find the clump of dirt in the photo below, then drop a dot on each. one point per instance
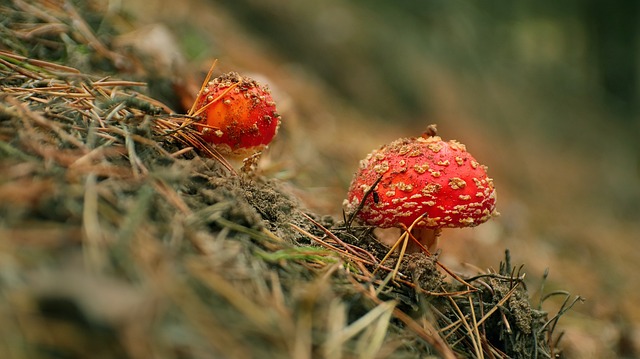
(505, 315)
(424, 271)
(255, 202)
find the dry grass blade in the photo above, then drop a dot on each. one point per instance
(251, 310)
(66, 13)
(345, 253)
(38, 63)
(471, 333)
(375, 320)
(496, 307)
(404, 240)
(475, 332)
(202, 87)
(566, 306)
(92, 230)
(41, 121)
(187, 300)
(114, 83)
(356, 251)
(427, 333)
(181, 129)
(202, 109)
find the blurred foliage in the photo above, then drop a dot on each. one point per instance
(371, 52)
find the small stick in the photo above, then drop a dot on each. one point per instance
(352, 216)
(204, 85)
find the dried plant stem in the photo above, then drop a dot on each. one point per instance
(427, 332)
(403, 239)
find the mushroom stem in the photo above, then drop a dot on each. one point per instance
(427, 237)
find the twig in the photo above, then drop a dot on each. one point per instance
(352, 215)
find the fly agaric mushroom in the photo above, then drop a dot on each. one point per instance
(237, 115)
(423, 184)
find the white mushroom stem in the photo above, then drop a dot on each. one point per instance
(427, 237)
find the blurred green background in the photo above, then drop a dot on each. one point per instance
(372, 52)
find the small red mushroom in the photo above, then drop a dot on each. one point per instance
(237, 115)
(423, 184)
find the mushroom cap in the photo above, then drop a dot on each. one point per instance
(243, 121)
(422, 175)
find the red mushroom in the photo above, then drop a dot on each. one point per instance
(423, 184)
(237, 115)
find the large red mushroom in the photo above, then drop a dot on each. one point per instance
(424, 184)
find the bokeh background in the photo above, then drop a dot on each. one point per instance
(545, 93)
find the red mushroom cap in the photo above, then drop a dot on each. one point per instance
(422, 175)
(241, 122)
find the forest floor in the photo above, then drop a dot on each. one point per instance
(118, 242)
